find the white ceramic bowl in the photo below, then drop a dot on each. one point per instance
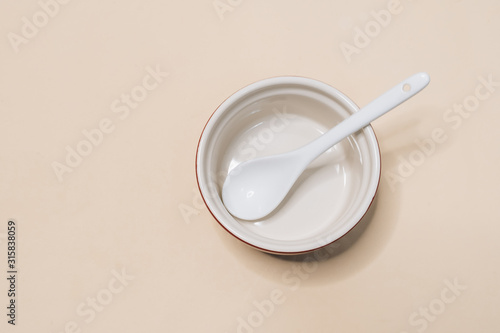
(277, 115)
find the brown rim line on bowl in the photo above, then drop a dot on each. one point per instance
(276, 115)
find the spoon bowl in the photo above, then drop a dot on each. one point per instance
(275, 171)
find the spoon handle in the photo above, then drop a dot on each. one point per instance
(386, 102)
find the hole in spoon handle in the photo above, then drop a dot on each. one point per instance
(415, 83)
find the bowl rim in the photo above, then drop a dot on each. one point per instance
(236, 95)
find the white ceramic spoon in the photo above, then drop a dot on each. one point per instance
(254, 188)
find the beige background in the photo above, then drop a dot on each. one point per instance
(131, 208)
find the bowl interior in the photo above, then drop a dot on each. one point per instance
(274, 116)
